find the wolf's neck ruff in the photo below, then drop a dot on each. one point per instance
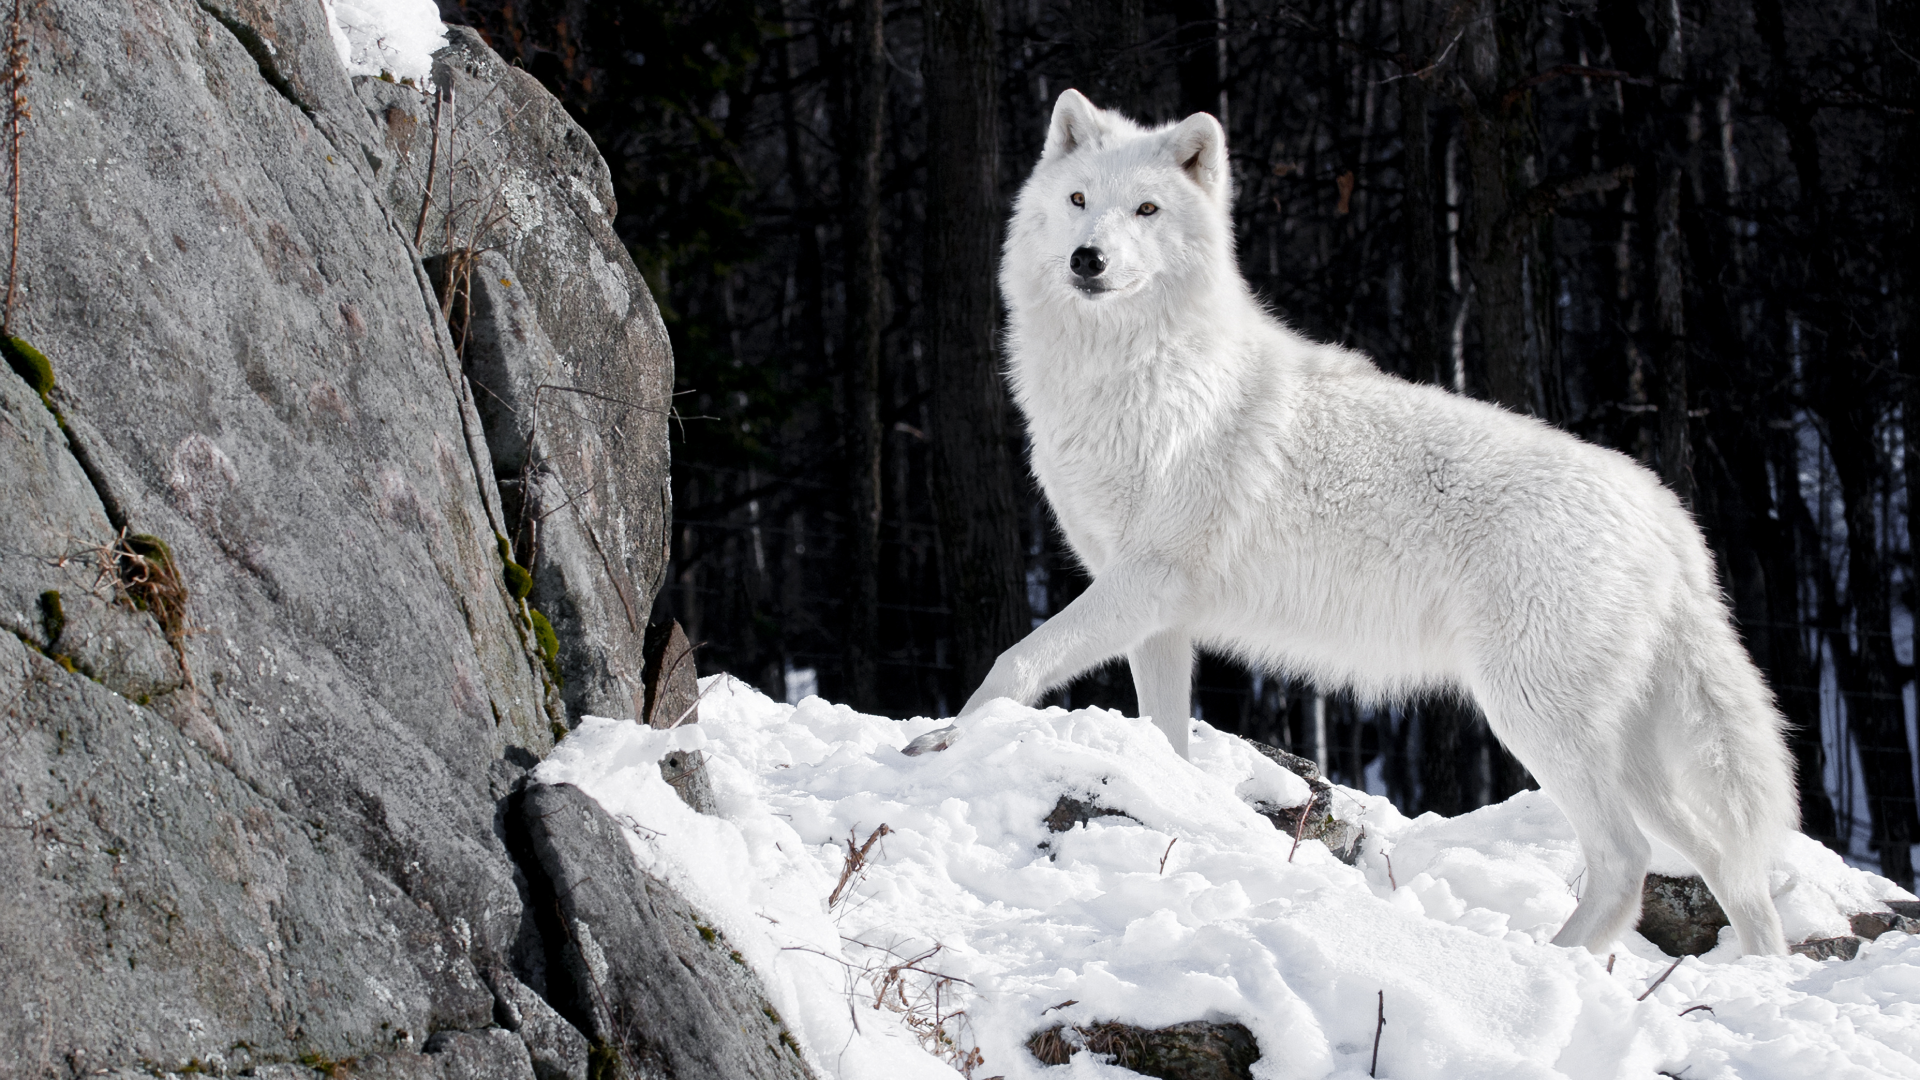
(1232, 484)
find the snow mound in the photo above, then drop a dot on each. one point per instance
(1190, 908)
(387, 37)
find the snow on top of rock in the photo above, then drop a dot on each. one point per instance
(391, 37)
(1188, 909)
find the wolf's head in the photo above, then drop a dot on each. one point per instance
(1115, 214)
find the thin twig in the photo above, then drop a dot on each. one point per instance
(1300, 827)
(1164, 854)
(1514, 92)
(1378, 1026)
(433, 162)
(1661, 979)
(856, 861)
(1696, 1008)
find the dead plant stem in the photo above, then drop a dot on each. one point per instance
(433, 163)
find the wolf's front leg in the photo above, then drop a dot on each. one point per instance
(1163, 681)
(1121, 609)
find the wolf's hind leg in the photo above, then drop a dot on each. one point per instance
(1617, 856)
(1163, 681)
(1734, 865)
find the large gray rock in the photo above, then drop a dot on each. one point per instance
(571, 368)
(271, 830)
(642, 970)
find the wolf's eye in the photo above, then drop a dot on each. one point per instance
(1078, 199)
(1147, 209)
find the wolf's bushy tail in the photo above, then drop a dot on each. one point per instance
(1738, 755)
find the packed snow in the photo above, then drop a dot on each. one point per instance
(1194, 907)
(395, 38)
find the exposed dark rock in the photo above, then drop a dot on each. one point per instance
(1195, 1050)
(1304, 768)
(672, 699)
(1871, 924)
(933, 741)
(1070, 811)
(1833, 948)
(658, 990)
(1679, 915)
(1909, 908)
(1341, 837)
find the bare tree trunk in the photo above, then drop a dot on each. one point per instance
(1200, 56)
(974, 485)
(1503, 151)
(1844, 378)
(1900, 22)
(1874, 706)
(866, 315)
(1670, 280)
(1110, 53)
(1429, 356)
(1795, 667)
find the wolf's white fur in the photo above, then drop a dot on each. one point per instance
(1233, 485)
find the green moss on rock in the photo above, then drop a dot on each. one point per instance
(519, 581)
(548, 642)
(30, 364)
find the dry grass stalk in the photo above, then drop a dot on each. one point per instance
(926, 1000)
(856, 863)
(440, 99)
(138, 570)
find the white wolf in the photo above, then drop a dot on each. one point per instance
(1233, 485)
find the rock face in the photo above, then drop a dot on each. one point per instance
(562, 343)
(268, 829)
(626, 958)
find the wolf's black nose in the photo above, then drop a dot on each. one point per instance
(1088, 262)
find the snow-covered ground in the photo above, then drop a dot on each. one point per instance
(1193, 910)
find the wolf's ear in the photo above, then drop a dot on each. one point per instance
(1076, 123)
(1200, 147)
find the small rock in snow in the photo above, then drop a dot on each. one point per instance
(932, 741)
(1832, 948)
(1679, 915)
(1871, 924)
(1070, 811)
(1195, 1050)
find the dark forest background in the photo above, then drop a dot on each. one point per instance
(1678, 228)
